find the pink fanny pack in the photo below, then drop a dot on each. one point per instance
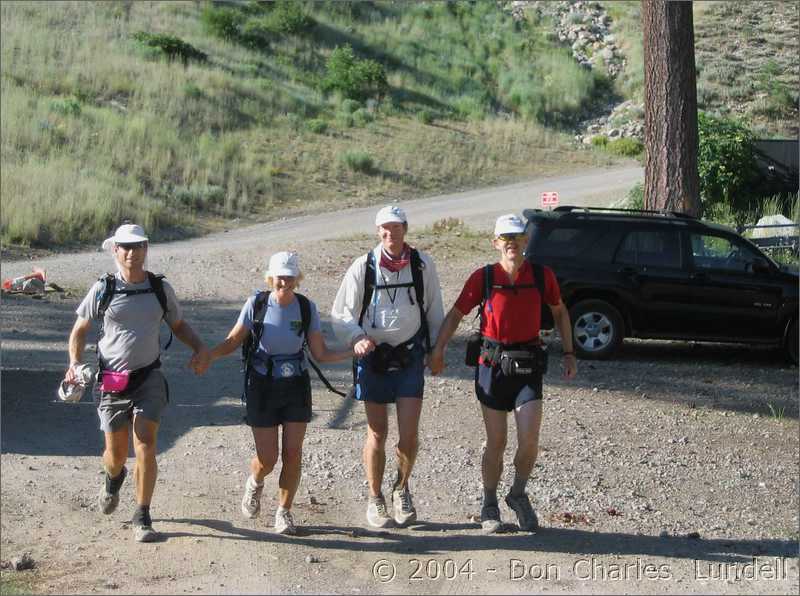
(114, 382)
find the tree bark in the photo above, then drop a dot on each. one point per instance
(671, 181)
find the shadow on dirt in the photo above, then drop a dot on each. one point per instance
(546, 540)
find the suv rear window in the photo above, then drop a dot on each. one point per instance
(650, 248)
(564, 242)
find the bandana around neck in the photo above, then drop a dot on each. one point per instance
(395, 264)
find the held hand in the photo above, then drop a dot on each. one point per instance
(435, 362)
(363, 346)
(569, 365)
(200, 361)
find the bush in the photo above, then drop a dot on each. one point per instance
(425, 116)
(69, 106)
(355, 78)
(362, 117)
(635, 197)
(726, 164)
(170, 47)
(317, 126)
(224, 23)
(358, 161)
(289, 17)
(599, 141)
(348, 106)
(627, 147)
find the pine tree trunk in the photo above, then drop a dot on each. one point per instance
(671, 181)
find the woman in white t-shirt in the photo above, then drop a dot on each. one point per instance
(277, 325)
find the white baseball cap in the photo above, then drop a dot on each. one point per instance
(125, 234)
(390, 214)
(508, 224)
(283, 264)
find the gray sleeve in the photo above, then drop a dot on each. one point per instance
(174, 313)
(88, 308)
(246, 314)
(434, 306)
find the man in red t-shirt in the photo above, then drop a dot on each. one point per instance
(509, 322)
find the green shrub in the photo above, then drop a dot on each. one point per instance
(362, 117)
(345, 120)
(425, 116)
(317, 126)
(200, 197)
(170, 47)
(358, 161)
(190, 89)
(348, 106)
(224, 23)
(289, 17)
(635, 197)
(726, 164)
(627, 147)
(353, 77)
(599, 141)
(69, 106)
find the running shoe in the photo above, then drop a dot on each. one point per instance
(526, 516)
(144, 533)
(284, 522)
(108, 500)
(490, 519)
(404, 512)
(251, 502)
(377, 517)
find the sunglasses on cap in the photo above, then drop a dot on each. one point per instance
(512, 237)
(131, 245)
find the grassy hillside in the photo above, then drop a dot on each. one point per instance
(257, 110)
(97, 125)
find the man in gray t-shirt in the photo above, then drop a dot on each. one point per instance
(133, 392)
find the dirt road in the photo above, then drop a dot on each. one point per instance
(673, 468)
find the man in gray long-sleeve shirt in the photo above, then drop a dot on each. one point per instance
(390, 331)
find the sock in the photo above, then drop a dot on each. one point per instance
(114, 484)
(518, 488)
(489, 496)
(141, 517)
(396, 481)
(281, 509)
(376, 499)
(256, 484)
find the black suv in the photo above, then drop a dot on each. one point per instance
(626, 273)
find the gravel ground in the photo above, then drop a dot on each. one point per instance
(673, 468)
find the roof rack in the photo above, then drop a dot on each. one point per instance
(571, 209)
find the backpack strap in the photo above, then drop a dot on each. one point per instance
(305, 325)
(305, 317)
(157, 283)
(109, 285)
(250, 345)
(417, 266)
(369, 286)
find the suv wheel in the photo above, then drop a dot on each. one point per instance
(597, 329)
(791, 343)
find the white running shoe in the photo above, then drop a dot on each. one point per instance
(284, 522)
(404, 512)
(377, 517)
(251, 502)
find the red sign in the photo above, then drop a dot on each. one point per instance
(549, 199)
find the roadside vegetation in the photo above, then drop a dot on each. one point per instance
(185, 115)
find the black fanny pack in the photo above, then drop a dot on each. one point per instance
(388, 358)
(513, 360)
(530, 361)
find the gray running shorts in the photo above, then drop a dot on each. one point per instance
(148, 400)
